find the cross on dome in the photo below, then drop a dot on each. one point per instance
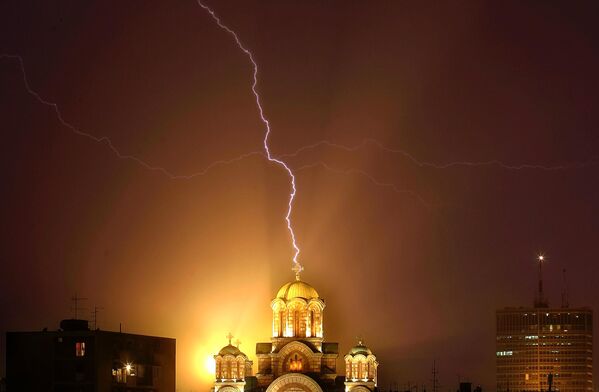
(297, 268)
(229, 336)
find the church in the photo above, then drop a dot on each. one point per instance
(297, 358)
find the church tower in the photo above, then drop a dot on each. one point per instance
(232, 367)
(297, 347)
(360, 369)
(297, 358)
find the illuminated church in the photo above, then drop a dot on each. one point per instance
(297, 358)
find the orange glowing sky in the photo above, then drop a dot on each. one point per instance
(196, 259)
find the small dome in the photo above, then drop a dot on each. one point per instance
(297, 289)
(230, 350)
(360, 349)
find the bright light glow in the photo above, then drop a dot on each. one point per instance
(210, 364)
(129, 369)
(201, 357)
(541, 257)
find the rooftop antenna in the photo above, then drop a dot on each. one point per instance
(565, 302)
(435, 379)
(541, 301)
(76, 301)
(95, 316)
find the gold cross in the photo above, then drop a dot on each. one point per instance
(230, 336)
(297, 268)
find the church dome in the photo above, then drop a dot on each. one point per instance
(297, 289)
(230, 350)
(360, 349)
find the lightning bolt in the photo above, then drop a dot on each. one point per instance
(593, 161)
(278, 160)
(297, 266)
(106, 140)
(369, 177)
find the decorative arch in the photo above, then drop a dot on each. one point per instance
(360, 367)
(296, 317)
(218, 368)
(359, 357)
(240, 367)
(279, 322)
(314, 317)
(291, 349)
(228, 388)
(230, 367)
(297, 302)
(360, 388)
(316, 302)
(278, 304)
(294, 382)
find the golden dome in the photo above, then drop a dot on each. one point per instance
(360, 348)
(297, 289)
(230, 350)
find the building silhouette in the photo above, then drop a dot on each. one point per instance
(77, 359)
(541, 348)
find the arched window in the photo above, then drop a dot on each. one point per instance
(312, 324)
(218, 369)
(240, 369)
(296, 323)
(296, 364)
(233, 367)
(281, 323)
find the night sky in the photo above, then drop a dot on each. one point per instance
(417, 267)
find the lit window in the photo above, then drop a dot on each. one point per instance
(119, 375)
(504, 353)
(296, 365)
(80, 349)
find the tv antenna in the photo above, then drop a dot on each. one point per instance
(75, 299)
(435, 378)
(95, 316)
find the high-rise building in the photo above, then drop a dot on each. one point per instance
(544, 349)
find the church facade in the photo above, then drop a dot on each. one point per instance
(297, 358)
